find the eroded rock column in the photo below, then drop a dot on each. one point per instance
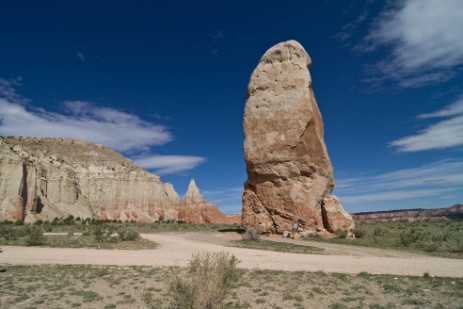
(289, 171)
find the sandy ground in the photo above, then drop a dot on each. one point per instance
(175, 249)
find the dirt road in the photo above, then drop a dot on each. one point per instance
(176, 249)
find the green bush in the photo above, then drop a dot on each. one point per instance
(208, 281)
(103, 233)
(358, 233)
(35, 237)
(127, 234)
(69, 220)
(47, 227)
(99, 234)
(408, 238)
(379, 232)
(9, 233)
(251, 233)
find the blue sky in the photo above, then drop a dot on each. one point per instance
(164, 83)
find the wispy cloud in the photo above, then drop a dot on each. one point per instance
(162, 164)
(452, 110)
(398, 195)
(446, 133)
(348, 30)
(219, 35)
(227, 199)
(82, 120)
(424, 39)
(8, 90)
(81, 56)
(439, 179)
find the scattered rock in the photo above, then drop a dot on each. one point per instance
(289, 171)
(308, 234)
(335, 217)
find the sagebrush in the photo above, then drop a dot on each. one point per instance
(206, 283)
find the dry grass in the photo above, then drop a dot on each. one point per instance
(146, 287)
(269, 245)
(206, 283)
(25, 235)
(443, 239)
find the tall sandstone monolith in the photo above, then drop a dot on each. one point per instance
(290, 177)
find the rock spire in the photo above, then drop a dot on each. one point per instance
(290, 176)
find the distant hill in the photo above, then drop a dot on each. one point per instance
(454, 212)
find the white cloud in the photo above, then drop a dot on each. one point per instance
(446, 133)
(425, 40)
(227, 199)
(437, 179)
(451, 110)
(82, 121)
(169, 164)
(8, 90)
(85, 121)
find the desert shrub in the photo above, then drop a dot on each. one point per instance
(411, 237)
(379, 231)
(36, 237)
(207, 282)
(38, 222)
(358, 233)
(69, 220)
(86, 231)
(127, 234)
(9, 233)
(453, 243)
(341, 234)
(99, 234)
(251, 233)
(103, 233)
(47, 227)
(24, 230)
(70, 233)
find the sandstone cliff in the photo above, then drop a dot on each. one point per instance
(290, 177)
(411, 215)
(193, 208)
(55, 178)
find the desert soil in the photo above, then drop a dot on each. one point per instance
(175, 249)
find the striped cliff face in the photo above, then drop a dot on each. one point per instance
(54, 178)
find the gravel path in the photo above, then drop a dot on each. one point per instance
(176, 249)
